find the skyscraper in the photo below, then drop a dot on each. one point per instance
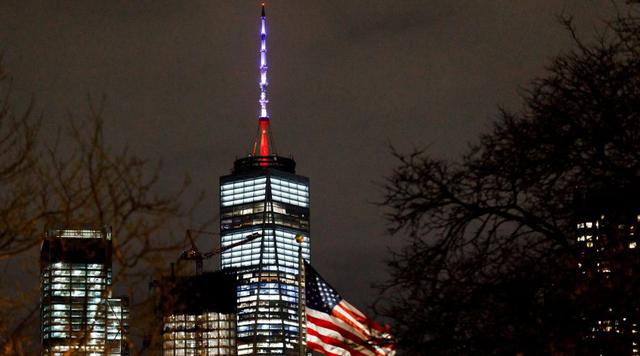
(79, 314)
(264, 195)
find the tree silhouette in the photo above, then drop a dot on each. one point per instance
(70, 179)
(490, 264)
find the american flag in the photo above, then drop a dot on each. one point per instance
(335, 327)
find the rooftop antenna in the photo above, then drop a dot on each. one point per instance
(263, 145)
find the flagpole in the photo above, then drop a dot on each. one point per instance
(301, 314)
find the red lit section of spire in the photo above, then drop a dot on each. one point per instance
(264, 138)
(263, 144)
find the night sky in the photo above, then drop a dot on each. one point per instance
(347, 80)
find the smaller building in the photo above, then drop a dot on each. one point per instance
(78, 313)
(198, 314)
(608, 248)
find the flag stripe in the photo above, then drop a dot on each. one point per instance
(355, 312)
(354, 350)
(315, 344)
(338, 324)
(340, 312)
(329, 329)
(361, 317)
(353, 338)
(337, 328)
(371, 334)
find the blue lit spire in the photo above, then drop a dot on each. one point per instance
(263, 66)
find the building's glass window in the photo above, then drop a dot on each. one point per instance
(267, 290)
(205, 334)
(244, 191)
(290, 192)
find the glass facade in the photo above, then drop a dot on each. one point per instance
(79, 314)
(203, 334)
(275, 204)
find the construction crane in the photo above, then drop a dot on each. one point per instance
(193, 254)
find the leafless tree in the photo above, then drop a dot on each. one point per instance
(18, 133)
(76, 179)
(489, 264)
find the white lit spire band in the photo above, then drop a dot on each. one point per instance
(263, 67)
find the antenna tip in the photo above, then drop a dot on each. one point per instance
(263, 9)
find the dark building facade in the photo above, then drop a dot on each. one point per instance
(608, 261)
(198, 314)
(78, 313)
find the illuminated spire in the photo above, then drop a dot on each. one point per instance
(263, 66)
(263, 144)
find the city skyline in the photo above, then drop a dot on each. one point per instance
(349, 84)
(202, 69)
(265, 247)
